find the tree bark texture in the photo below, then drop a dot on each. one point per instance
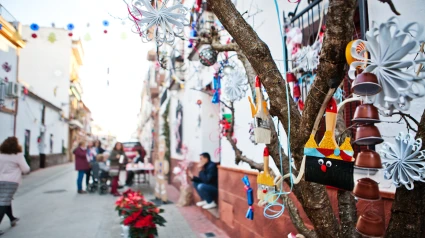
(312, 196)
(408, 210)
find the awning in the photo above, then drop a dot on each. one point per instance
(75, 123)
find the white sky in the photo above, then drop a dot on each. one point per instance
(115, 107)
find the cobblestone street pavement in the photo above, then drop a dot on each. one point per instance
(49, 207)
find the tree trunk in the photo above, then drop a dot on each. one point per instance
(408, 211)
(312, 196)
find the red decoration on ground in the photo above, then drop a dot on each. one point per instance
(34, 35)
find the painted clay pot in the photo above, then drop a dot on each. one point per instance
(366, 84)
(366, 113)
(368, 135)
(366, 189)
(370, 224)
(368, 159)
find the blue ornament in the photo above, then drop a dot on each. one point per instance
(70, 27)
(34, 27)
(1, 26)
(105, 23)
(216, 97)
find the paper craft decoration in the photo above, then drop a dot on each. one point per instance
(52, 38)
(328, 163)
(404, 161)
(260, 114)
(392, 49)
(249, 197)
(265, 183)
(208, 56)
(160, 23)
(161, 170)
(235, 85)
(216, 87)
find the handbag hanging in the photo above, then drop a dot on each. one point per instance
(328, 163)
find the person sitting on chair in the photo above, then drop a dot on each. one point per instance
(130, 174)
(207, 182)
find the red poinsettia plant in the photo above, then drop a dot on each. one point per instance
(140, 215)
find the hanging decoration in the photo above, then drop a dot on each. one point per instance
(391, 49)
(105, 24)
(260, 114)
(87, 37)
(249, 197)
(159, 22)
(6, 67)
(235, 85)
(266, 186)
(404, 161)
(34, 27)
(51, 38)
(70, 28)
(193, 34)
(208, 56)
(216, 88)
(328, 163)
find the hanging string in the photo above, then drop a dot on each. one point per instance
(268, 211)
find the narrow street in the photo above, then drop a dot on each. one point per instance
(49, 207)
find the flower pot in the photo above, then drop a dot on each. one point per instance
(368, 135)
(366, 189)
(366, 84)
(366, 113)
(125, 231)
(370, 224)
(368, 159)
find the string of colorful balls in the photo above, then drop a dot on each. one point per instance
(70, 27)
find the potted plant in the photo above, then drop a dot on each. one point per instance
(139, 216)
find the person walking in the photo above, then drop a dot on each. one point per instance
(12, 165)
(116, 159)
(81, 165)
(207, 182)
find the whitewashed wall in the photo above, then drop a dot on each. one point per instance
(29, 118)
(45, 66)
(8, 53)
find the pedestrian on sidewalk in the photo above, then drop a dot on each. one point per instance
(91, 157)
(207, 182)
(12, 165)
(117, 158)
(81, 164)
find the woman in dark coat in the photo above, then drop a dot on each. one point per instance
(115, 165)
(81, 165)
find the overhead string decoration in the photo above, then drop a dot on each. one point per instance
(260, 114)
(216, 87)
(404, 161)
(249, 197)
(70, 27)
(34, 27)
(158, 22)
(391, 47)
(105, 24)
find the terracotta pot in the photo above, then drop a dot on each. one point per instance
(368, 159)
(366, 113)
(366, 84)
(370, 224)
(366, 189)
(368, 135)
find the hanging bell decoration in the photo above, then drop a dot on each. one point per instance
(208, 57)
(216, 87)
(366, 84)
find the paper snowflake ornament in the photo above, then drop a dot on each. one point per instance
(404, 161)
(391, 49)
(235, 85)
(52, 38)
(159, 22)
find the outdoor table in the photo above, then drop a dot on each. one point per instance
(141, 169)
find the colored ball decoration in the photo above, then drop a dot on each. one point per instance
(208, 57)
(34, 35)
(34, 27)
(105, 31)
(105, 23)
(70, 27)
(70, 34)
(199, 102)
